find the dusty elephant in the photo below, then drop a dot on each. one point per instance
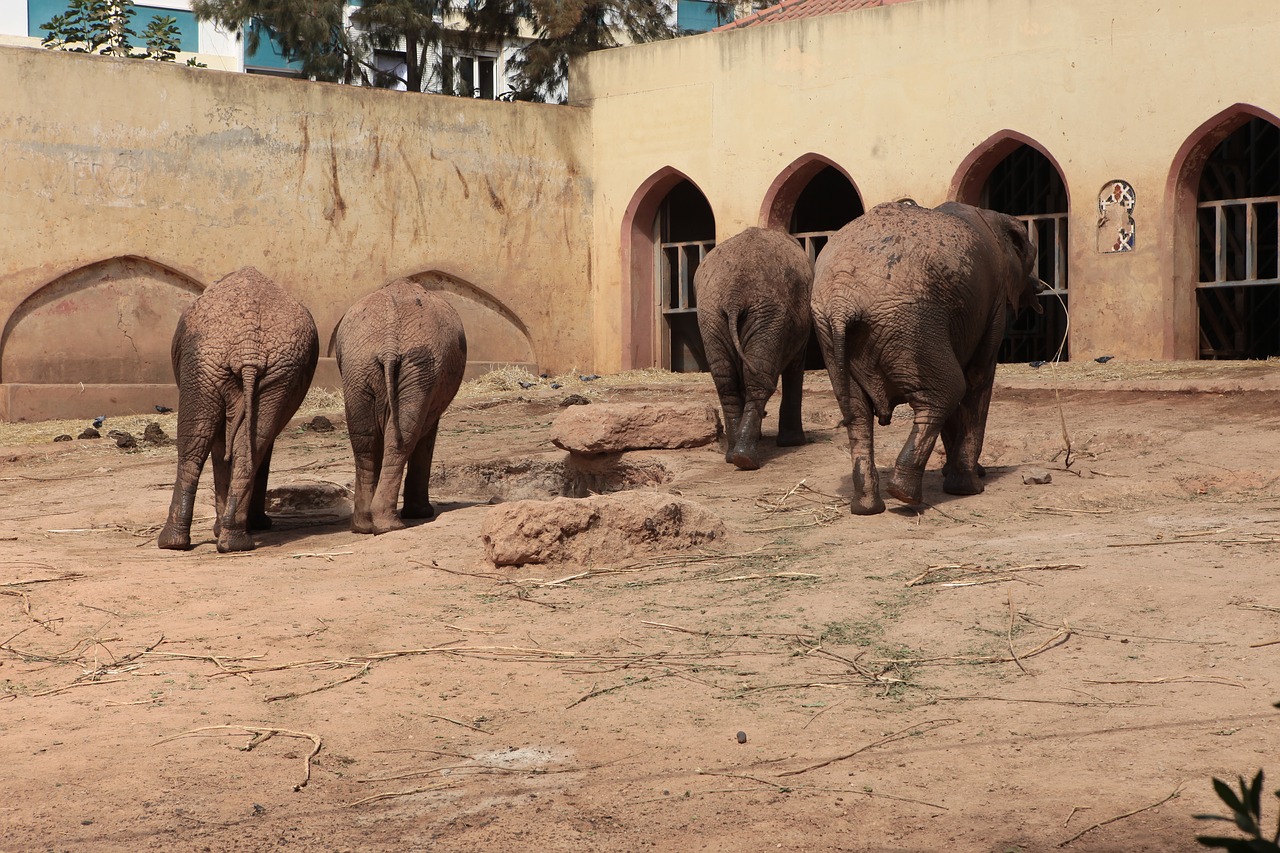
(909, 306)
(243, 356)
(402, 353)
(753, 312)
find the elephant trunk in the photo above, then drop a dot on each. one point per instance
(244, 415)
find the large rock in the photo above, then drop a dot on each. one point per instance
(617, 427)
(600, 530)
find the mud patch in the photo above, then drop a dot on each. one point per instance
(556, 476)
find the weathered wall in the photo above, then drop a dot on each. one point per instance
(900, 96)
(126, 187)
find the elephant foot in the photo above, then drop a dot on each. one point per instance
(791, 438)
(386, 524)
(230, 541)
(962, 483)
(981, 469)
(866, 505)
(907, 486)
(172, 539)
(426, 510)
(744, 460)
(259, 521)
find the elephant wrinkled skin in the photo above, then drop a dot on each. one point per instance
(402, 352)
(909, 306)
(753, 312)
(243, 356)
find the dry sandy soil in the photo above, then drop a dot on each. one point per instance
(1110, 641)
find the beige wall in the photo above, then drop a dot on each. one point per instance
(122, 176)
(900, 96)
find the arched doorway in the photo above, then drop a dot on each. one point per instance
(684, 231)
(1022, 181)
(812, 199)
(1238, 245)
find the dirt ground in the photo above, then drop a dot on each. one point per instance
(1102, 645)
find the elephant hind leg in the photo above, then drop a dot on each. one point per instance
(790, 424)
(931, 413)
(417, 481)
(866, 498)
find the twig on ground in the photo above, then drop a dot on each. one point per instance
(1178, 679)
(1009, 635)
(260, 735)
(459, 723)
(909, 731)
(65, 576)
(1101, 634)
(960, 574)
(776, 576)
(1267, 643)
(364, 670)
(1068, 510)
(436, 787)
(1103, 823)
(1074, 703)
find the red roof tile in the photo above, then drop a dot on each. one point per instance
(792, 10)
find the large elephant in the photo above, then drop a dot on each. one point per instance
(402, 353)
(753, 312)
(909, 304)
(243, 356)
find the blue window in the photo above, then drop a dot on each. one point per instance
(698, 16)
(41, 12)
(269, 54)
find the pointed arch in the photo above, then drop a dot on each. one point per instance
(974, 170)
(638, 252)
(1181, 316)
(780, 199)
(108, 322)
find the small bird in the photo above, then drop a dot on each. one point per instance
(555, 384)
(97, 422)
(524, 384)
(590, 378)
(1038, 364)
(1103, 359)
(164, 410)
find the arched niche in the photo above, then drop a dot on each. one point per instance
(496, 336)
(1223, 292)
(107, 323)
(813, 195)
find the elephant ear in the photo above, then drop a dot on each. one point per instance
(1023, 285)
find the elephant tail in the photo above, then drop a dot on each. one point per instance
(244, 415)
(391, 379)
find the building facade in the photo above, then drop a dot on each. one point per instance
(568, 235)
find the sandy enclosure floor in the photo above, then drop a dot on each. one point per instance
(1099, 645)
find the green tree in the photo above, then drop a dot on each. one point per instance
(411, 25)
(103, 27)
(312, 32)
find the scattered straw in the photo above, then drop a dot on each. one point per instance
(971, 574)
(1103, 823)
(258, 736)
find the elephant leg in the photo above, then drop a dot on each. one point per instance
(383, 517)
(932, 409)
(258, 518)
(221, 478)
(195, 439)
(962, 436)
(861, 428)
(744, 447)
(790, 425)
(417, 481)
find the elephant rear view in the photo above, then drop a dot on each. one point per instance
(753, 312)
(402, 352)
(243, 356)
(909, 306)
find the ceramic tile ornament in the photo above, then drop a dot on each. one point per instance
(1117, 231)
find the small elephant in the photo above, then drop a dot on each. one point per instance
(909, 304)
(243, 356)
(402, 353)
(753, 312)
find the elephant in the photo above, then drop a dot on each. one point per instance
(909, 306)
(402, 352)
(753, 312)
(243, 356)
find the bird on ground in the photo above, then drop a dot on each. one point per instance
(97, 422)
(164, 410)
(524, 384)
(1103, 359)
(593, 377)
(1038, 364)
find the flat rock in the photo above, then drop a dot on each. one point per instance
(307, 497)
(618, 427)
(599, 530)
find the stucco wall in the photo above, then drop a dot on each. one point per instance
(900, 96)
(167, 178)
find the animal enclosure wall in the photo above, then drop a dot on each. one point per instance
(128, 187)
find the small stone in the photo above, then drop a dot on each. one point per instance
(1037, 478)
(90, 432)
(574, 400)
(126, 441)
(742, 737)
(320, 424)
(63, 437)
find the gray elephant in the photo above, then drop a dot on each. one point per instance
(909, 305)
(753, 312)
(243, 356)
(402, 353)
